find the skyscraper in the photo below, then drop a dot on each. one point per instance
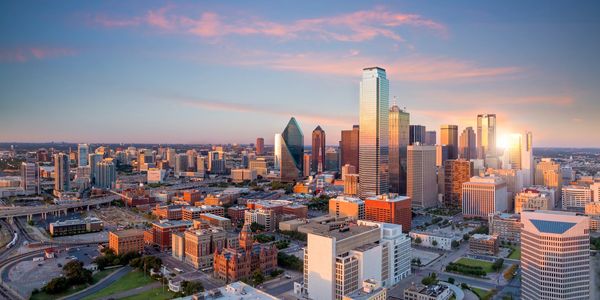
(277, 152)
(416, 134)
(456, 172)
(318, 150)
(260, 146)
(30, 177)
(484, 195)
(107, 174)
(93, 160)
(374, 130)
(449, 137)
(527, 159)
(430, 137)
(83, 150)
(399, 139)
(62, 182)
(421, 177)
(467, 144)
(349, 147)
(486, 135)
(291, 152)
(555, 256)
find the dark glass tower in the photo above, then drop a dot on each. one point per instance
(318, 150)
(291, 152)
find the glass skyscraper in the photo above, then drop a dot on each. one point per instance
(486, 135)
(290, 152)
(399, 139)
(83, 150)
(318, 150)
(374, 132)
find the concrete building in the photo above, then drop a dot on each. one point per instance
(371, 290)
(434, 239)
(430, 137)
(432, 292)
(486, 135)
(30, 178)
(265, 217)
(72, 227)
(484, 195)
(317, 163)
(193, 212)
(107, 174)
(374, 133)
(155, 175)
(337, 261)
(555, 256)
(390, 208)
(131, 240)
(351, 183)
(467, 144)
(83, 150)
(350, 207)
(421, 176)
(259, 165)
(260, 146)
(417, 134)
(241, 175)
(62, 180)
(160, 232)
(575, 197)
(547, 173)
(201, 244)
(514, 182)
(216, 221)
(506, 226)
(449, 137)
(534, 198)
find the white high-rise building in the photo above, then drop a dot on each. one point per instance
(373, 154)
(83, 150)
(336, 262)
(107, 174)
(595, 187)
(30, 177)
(484, 195)
(576, 197)
(555, 256)
(421, 178)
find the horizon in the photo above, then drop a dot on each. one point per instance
(224, 73)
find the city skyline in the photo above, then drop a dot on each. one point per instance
(97, 65)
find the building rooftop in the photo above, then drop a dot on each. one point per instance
(128, 233)
(433, 290)
(233, 291)
(172, 223)
(483, 237)
(389, 198)
(213, 216)
(201, 208)
(77, 221)
(347, 231)
(556, 227)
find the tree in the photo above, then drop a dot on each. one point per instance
(56, 285)
(466, 237)
(257, 277)
(455, 244)
(256, 227)
(497, 266)
(191, 287)
(418, 240)
(451, 280)
(434, 243)
(464, 286)
(76, 274)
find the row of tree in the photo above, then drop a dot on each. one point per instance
(465, 269)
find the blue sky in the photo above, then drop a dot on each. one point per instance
(227, 71)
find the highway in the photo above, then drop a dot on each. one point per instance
(23, 211)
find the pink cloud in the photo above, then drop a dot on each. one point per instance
(351, 27)
(33, 53)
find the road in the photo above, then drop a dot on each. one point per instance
(21, 211)
(105, 282)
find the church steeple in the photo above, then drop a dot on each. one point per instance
(246, 237)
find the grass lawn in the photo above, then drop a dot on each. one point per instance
(483, 294)
(487, 266)
(97, 277)
(154, 294)
(516, 254)
(130, 281)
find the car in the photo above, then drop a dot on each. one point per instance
(59, 265)
(287, 276)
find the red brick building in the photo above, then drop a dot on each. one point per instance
(233, 264)
(390, 209)
(168, 212)
(136, 197)
(192, 196)
(299, 210)
(160, 233)
(194, 212)
(236, 214)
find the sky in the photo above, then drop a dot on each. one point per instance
(231, 71)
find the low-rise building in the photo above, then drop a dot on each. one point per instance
(371, 290)
(241, 175)
(236, 214)
(78, 226)
(161, 231)
(506, 226)
(264, 217)
(345, 206)
(168, 212)
(432, 292)
(434, 239)
(484, 244)
(216, 221)
(193, 212)
(390, 208)
(131, 240)
(534, 198)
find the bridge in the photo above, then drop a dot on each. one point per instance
(29, 211)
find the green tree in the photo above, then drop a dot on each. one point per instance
(256, 227)
(466, 237)
(56, 285)
(191, 287)
(257, 277)
(455, 244)
(497, 266)
(418, 241)
(451, 280)
(434, 243)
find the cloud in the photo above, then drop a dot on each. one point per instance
(356, 26)
(410, 68)
(331, 120)
(33, 53)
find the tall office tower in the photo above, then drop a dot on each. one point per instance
(171, 154)
(467, 144)
(449, 137)
(277, 152)
(486, 135)
(527, 158)
(332, 160)
(192, 157)
(337, 261)
(456, 172)
(547, 173)
(318, 150)
(534, 198)
(575, 197)
(62, 181)
(421, 176)
(213, 158)
(291, 152)
(484, 195)
(389, 208)
(107, 174)
(595, 187)
(201, 164)
(83, 150)
(181, 161)
(441, 155)
(307, 163)
(374, 133)
(514, 151)
(349, 146)
(350, 184)
(555, 256)
(416, 133)
(399, 139)
(93, 160)
(30, 177)
(430, 137)
(260, 146)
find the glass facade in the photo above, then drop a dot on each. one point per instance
(399, 138)
(318, 150)
(374, 131)
(291, 152)
(486, 135)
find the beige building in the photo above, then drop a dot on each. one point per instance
(534, 199)
(421, 176)
(351, 184)
(484, 195)
(201, 243)
(350, 207)
(432, 292)
(241, 175)
(131, 240)
(547, 173)
(575, 197)
(484, 244)
(259, 165)
(371, 290)
(506, 226)
(555, 256)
